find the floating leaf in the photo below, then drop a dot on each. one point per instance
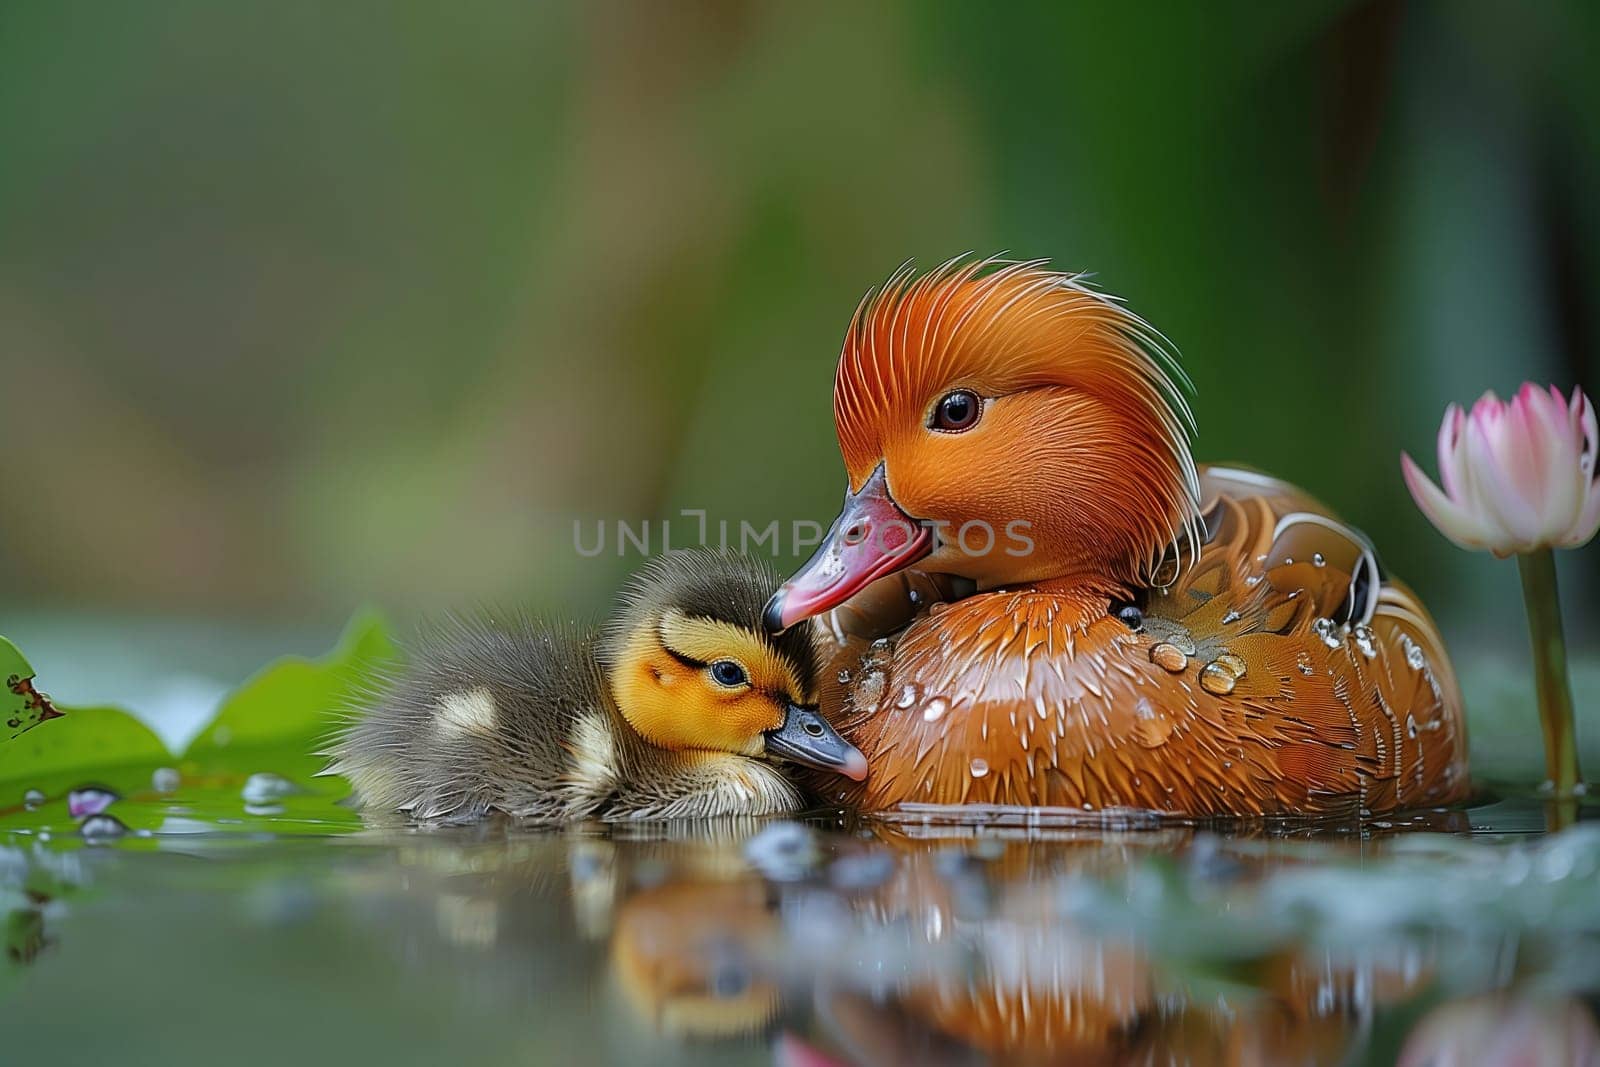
(267, 727)
(119, 749)
(274, 721)
(22, 707)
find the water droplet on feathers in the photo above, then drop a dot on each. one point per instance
(1217, 679)
(1328, 631)
(1169, 657)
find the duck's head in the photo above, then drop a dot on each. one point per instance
(691, 666)
(1006, 423)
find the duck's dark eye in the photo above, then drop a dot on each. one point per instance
(957, 411)
(727, 672)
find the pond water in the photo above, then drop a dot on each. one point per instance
(187, 924)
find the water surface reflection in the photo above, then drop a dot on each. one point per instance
(815, 943)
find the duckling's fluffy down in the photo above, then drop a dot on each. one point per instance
(479, 721)
(503, 713)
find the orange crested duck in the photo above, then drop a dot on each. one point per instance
(1146, 634)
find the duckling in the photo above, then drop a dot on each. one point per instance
(672, 709)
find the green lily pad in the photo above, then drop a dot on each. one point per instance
(271, 725)
(277, 719)
(22, 707)
(108, 741)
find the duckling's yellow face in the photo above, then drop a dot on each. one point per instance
(691, 682)
(686, 955)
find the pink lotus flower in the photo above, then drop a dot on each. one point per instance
(1519, 479)
(1495, 1031)
(1517, 476)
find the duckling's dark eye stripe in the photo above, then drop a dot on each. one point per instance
(708, 640)
(687, 661)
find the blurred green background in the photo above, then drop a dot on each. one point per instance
(308, 305)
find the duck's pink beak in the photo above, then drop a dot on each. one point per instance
(871, 537)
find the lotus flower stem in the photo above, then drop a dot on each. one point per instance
(1543, 602)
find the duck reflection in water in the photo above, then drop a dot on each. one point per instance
(923, 944)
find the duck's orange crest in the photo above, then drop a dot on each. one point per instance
(1069, 455)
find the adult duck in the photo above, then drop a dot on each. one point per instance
(1144, 634)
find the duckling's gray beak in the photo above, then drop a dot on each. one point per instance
(807, 738)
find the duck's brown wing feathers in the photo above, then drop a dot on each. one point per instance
(1326, 638)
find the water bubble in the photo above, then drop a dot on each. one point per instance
(979, 767)
(1317, 560)
(1366, 640)
(1302, 662)
(844, 677)
(264, 787)
(914, 596)
(934, 709)
(165, 780)
(908, 696)
(1230, 618)
(784, 851)
(865, 871)
(33, 798)
(101, 827)
(89, 800)
(1414, 655)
